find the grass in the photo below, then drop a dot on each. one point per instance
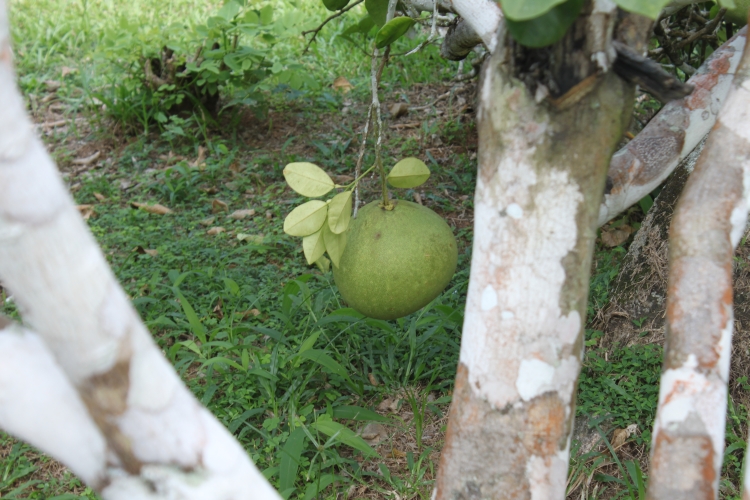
(259, 337)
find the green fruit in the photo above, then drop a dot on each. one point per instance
(396, 261)
(335, 4)
(738, 15)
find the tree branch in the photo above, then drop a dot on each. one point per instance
(327, 20)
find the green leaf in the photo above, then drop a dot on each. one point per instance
(646, 203)
(648, 8)
(314, 247)
(358, 413)
(319, 356)
(340, 212)
(524, 10)
(323, 264)
(343, 435)
(306, 218)
(363, 26)
(546, 29)
(335, 4)
(308, 179)
(409, 173)
(335, 244)
(392, 31)
(195, 324)
(290, 458)
(229, 10)
(378, 10)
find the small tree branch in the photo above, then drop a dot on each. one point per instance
(327, 20)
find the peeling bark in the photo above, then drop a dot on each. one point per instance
(672, 134)
(542, 168)
(710, 219)
(154, 440)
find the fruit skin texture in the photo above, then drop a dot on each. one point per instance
(738, 15)
(397, 261)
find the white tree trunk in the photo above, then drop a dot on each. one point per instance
(152, 438)
(709, 220)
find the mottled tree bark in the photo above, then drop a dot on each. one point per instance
(542, 170)
(710, 219)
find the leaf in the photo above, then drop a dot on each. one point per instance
(152, 209)
(363, 26)
(219, 206)
(323, 264)
(307, 179)
(378, 10)
(524, 10)
(343, 435)
(547, 28)
(314, 246)
(648, 8)
(334, 5)
(335, 244)
(340, 212)
(395, 29)
(290, 458)
(409, 173)
(358, 413)
(342, 84)
(195, 323)
(241, 214)
(215, 230)
(646, 203)
(324, 360)
(306, 218)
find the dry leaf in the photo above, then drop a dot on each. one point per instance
(66, 71)
(342, 84)
(152, 209)
(145, 251)
(241, 214)
(52, 85)
(343, 179)
(399, 109)
(389, 405)
(100, 197)
(417, 198)
(219, 206)
(151, 252)
(215, 230)
(251, 238)
(87, 211)
(396, 453)
(618, 437)
(373, 380)
(208, 221)
(269, 215)
(615, 237)
(201, 157)
(88, 160)
(218, 309)
(373, 433)
(250, 312)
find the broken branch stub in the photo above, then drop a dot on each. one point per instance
(710, 219)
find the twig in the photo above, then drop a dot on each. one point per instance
(328, 19)
(433, 31)
(360, 158)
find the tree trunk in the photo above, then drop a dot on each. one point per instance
(542, 170)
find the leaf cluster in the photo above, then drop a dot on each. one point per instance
(323, 224)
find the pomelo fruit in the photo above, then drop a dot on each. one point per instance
(395, 261)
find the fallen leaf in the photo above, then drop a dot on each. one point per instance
(219, 206)
(87, 160)
(373, 433)
(251, 238)
(396, 453)
(250, 312)
(389, 404)
(215, 230)
(152, 209)
(373, 380)
(619, 436)
(201, 157)
(87, 211)
(151, 252)
(100, 197)
(218, 309)
(208, 221)
(52, 85)
(615, 237)
(145, 251)
(418, 198)
(66, 71)
(399, 109)
(343, 179)
(241, 214)
(342, 84)
(269, 215)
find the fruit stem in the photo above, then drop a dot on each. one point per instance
(375, 73)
